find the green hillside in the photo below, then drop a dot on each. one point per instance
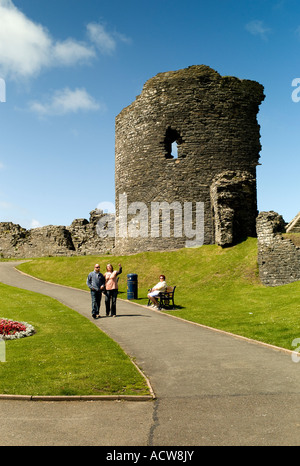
(215, 287)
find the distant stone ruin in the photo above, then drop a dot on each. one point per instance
(212, 120)
(278, 256)
(80, 238)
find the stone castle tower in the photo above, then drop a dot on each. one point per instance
(212, 178)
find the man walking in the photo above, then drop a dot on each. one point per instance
(95, 282)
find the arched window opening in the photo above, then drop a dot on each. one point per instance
(174, 150)
(173, 144)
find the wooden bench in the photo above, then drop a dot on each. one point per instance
(165, 299)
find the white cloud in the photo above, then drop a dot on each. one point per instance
(102, 39)
(27, 47)
(258, 28)
(66, 101)
(35, 224)
(107, 207)
(2, 166)
(70, 52)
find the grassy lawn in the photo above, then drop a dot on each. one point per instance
(215, 287)
(68, 355)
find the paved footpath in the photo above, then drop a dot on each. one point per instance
(212, 388)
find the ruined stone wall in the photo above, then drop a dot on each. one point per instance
(278, 257)
(213, 121)
(233, 197)
(80, 238)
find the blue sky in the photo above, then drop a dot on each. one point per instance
(70, 66)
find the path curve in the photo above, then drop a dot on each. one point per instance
(211, 388)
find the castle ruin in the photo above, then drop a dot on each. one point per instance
(213, 121)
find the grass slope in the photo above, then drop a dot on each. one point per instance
(215, 287)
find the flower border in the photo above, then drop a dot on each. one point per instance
(30, 330)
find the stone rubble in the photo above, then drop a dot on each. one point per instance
(80, 238)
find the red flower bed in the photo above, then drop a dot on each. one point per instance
(9, 327)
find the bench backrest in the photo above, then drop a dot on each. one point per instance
(170, 289)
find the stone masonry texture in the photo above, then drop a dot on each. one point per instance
(278, 257)
(213, 121)
(80, 238)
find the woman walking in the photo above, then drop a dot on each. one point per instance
(111, 289)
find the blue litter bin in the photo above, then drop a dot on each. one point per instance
(132, 286)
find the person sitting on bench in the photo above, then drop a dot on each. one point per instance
(154, 292)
